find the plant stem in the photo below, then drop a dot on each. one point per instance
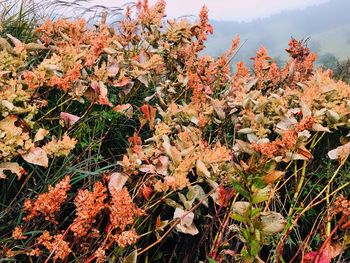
(299, 187)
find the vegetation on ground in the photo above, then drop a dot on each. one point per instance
(124, 144)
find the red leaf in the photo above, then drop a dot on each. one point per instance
(146, 192)
(135, 140)
(311, 257)
(145, 111)
(149, 113)
(224, 195)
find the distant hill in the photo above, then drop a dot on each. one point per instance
(327, 25)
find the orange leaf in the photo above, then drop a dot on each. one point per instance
(305, 152)
(272, 176)
(125, 109)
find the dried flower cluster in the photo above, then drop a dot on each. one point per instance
(20, 103)
(89, 205)
(13, 139)
(49, 203)
(127, 238)
(55, 244)
(341, 205)
(18, 233)
(123, 211)
(60, 147)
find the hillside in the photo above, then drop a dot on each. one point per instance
(327, 25)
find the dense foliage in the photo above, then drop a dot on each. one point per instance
(125, 144)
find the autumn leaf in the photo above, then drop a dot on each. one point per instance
(319, 127)
(305, 152)
(101, 92)
(37, 156)
(272, 176)
(113, 68)
(13, 168)
(240, 207)
(40, 135)
(173, 153)
(146, 192)
(162, 165)
(150, 114)
(69, 119)
(125, 109)
(148, 168)
(223, 195)
(161, 224)
(340, 153)
(330, 251)
(117, 181)
(201, 169)
(272, 222)
(186, 224)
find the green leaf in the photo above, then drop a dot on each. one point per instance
(254, 212)
(245, 254)
(259, 199)
(237, 217)
(261, 195)
(246, 234)
(211, 260)
(131, 258)
(240, 189)
(259, 182)
(254, 248)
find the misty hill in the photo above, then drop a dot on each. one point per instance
(327, 25)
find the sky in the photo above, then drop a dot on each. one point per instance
(229, 10)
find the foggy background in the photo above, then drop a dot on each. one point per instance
(269, 23)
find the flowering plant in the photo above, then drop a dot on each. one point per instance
(137, 139)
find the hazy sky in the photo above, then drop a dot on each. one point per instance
(234, 10)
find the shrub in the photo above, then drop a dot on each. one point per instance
(148, 144)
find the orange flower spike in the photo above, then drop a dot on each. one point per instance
(289, 139)
(55, 244)
(204, 22)
(135, 140)
(305, 124)
(241, 70)
(234, 46)
(89, 205)
(123, 210)
(127, 238)
(48, 203)
(18, 233)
